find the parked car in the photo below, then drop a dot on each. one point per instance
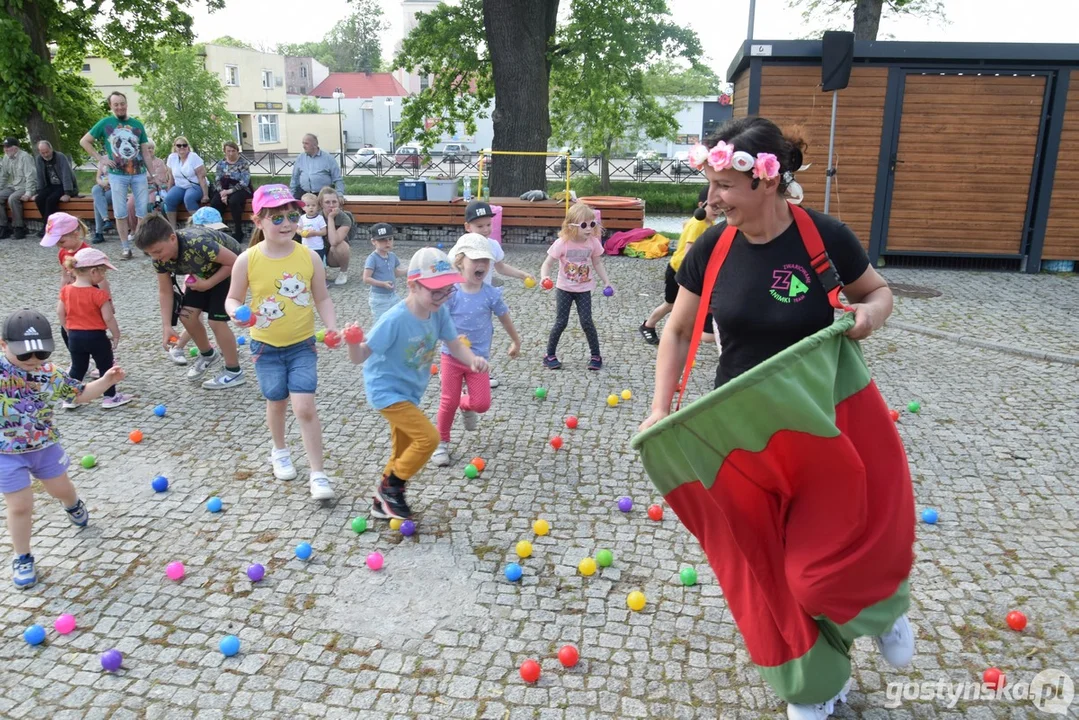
(456, 152)
(577, 163)
(681, 164)
(370, 157)
(408, 156)
(648, 162)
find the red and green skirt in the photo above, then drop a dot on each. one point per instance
(794, 480)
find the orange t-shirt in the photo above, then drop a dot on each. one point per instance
(65, 254)
(83, 307)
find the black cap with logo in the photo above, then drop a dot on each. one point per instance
(28, 331)
(381, 230)
(477, 209)
(11, 142)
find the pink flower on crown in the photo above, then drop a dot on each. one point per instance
(766, 166)
(698, 156)
(719, 157)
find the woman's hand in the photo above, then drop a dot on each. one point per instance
(863, 322)
(652, 419)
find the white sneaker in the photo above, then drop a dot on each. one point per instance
(71, 405)
(283, 469)
(177, 355)
(471, 419)
(342, 278)
(820, 711)
(227, 379)
(441, 456)
(320, 486)
(897, 645)
(202, 364)
(494, 381)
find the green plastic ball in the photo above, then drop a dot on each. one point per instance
(689, 576)
(471, 471)
(88, 461)
(914, 406)
(541, 393)
(359, 525)
(320, 336)
(193, 352)
(604, 558)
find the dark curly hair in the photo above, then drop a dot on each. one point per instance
(755, 135)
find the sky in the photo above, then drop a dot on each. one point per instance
(721, 24)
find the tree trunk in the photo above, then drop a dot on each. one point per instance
(28, 14)
(519, 33)
(867, 19)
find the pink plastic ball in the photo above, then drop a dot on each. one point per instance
(64, 624)
(374, 561)
(175, 570)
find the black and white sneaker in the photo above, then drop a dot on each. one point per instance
(649, 334)
(393, 501)
(377, 511)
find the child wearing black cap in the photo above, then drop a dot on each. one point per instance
(382, 270)
(29, 444)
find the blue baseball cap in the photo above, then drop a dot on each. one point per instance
(208, 217)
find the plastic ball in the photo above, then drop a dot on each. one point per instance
(111, 660)
(434, 369)
(353, 335)
(524, 549)
(242, 340)
(320, 336)
(375, 561)
(556, 442)
(135, 436)
(229, 645)
(688, 576)
(256, 572)
(635, 600)
(243, 313)
(540, 393)
(439, 246)
(568, 656)
(193, 352)
(571, 422)
(541, 527)
(547, 283)
(513, 572)
(625, 504)
(471, 471)
(530, 283)
(655, 512)
(993, 678)
(34, 635)
(914, 406)
(604, 558)
(627, 394)
(479, 463)
(359, 525)
(612, 400)
(160, 483)
(214, 504)
(608, 291)
(408, 528)
(303, 550)
(530, 671)
(894, 414)
(587, 567)
(160, 411)
(88, 461)
(175, 570)
(395, 523)
(929, 515)
(465, 341)
(1016, 620)
(332, 339)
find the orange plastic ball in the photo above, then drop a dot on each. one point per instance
(135, 436)
(479, 463)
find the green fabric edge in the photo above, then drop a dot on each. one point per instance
(782, 393)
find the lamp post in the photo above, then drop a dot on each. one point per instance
(389, 121)
(337, 95)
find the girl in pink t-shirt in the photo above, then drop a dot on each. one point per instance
(580, 258)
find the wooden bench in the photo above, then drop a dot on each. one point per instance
(369, 209)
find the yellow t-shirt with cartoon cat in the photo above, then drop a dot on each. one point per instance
(281, 299)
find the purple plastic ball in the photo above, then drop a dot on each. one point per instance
(608, 291)
(256, 572)
(408, 528)
(111, 660)
(625, 504)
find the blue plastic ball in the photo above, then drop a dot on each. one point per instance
(514, 572)
(214, 504)
(243, 313)
(160, 483)
(34, 635)
(608, 291)
(439, 246)
(159, 411)
(929, 515)
(242, 340)
(408, 528)
(230, 645)
(303, 550)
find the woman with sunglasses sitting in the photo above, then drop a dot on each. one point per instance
(187, 180)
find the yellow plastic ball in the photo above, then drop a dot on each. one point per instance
(524, 549)
(530, 283)
(612, 400)
(395, 523)
(465, 341)
(635, 600)
(587, 567)
(626, 395)
(541, 527)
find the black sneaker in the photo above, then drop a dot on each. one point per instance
(595, 363)
(551, 362)
(19, 233)
(393, 501)
(649, 334)
(5, 232)
(98, 239)
(377, 511)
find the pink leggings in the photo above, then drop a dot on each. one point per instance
(454, 375)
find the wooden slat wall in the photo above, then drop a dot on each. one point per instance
(790, 95)
(1062, 233)
(741, 94)
(966, 153)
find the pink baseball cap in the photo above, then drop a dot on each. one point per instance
(59, 224)
(432, 268)
(272, 196)
(92, 257)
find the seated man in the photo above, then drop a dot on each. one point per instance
(55, 180)
(18, 183)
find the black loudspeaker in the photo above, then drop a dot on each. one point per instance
(837, 56)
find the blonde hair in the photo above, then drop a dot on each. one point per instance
(82, 230)
(178, 139)
(256, 236)
(328, 190)
(578, 213)
(309, 198)
(69, 263)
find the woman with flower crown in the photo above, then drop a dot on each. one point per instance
(810, 535)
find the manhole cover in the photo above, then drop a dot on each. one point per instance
(914, 291)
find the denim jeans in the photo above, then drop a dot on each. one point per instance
(139, 187)
(189, 196)
(102, 201)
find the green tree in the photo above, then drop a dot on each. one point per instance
(182, 97)
(309, 105)
(866, 14)
(126, 32)
(667, 78)
(352, 45)
(599, 94)
(229, 41)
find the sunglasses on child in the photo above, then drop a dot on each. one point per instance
(293, 217)
(587, 225)
(39, 354)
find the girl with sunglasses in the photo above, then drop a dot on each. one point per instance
(578, 253)
(288, 283)
(29, 444)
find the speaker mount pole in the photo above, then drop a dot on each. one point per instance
(831, 147)
(752, 13)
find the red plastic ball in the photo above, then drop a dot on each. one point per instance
(894, 414)
(332, 339)
(547, 283)
(1016, 620)
(568, 656)
(655, 512)
(434, 369)
(556, 442)
(353, 335)
(530, 671)
(993, 678)
(571, 422)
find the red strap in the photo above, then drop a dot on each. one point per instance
(818, 257)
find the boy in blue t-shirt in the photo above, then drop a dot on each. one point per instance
(382, 270)
(396, 361)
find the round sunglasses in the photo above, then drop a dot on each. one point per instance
(293, 217)
(39, 354)
(587, 225)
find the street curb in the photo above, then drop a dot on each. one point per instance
(986, 344)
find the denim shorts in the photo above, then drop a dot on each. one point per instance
(381, 302)
(16, 469)
(139, 187)
(283, 371)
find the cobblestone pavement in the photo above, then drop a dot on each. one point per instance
(439, 633)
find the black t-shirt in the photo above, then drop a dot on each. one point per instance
(767, 297)
(52, 175)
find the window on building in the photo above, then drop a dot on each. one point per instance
(425, 82)
(303, 71)
(86, 67)
(232, 75)
(687, 139)
(267, 79)
(268, 131)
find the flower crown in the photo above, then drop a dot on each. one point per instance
(764, 165)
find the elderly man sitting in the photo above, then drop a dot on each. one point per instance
(18, 183)
(55, 180)
(314, 170)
